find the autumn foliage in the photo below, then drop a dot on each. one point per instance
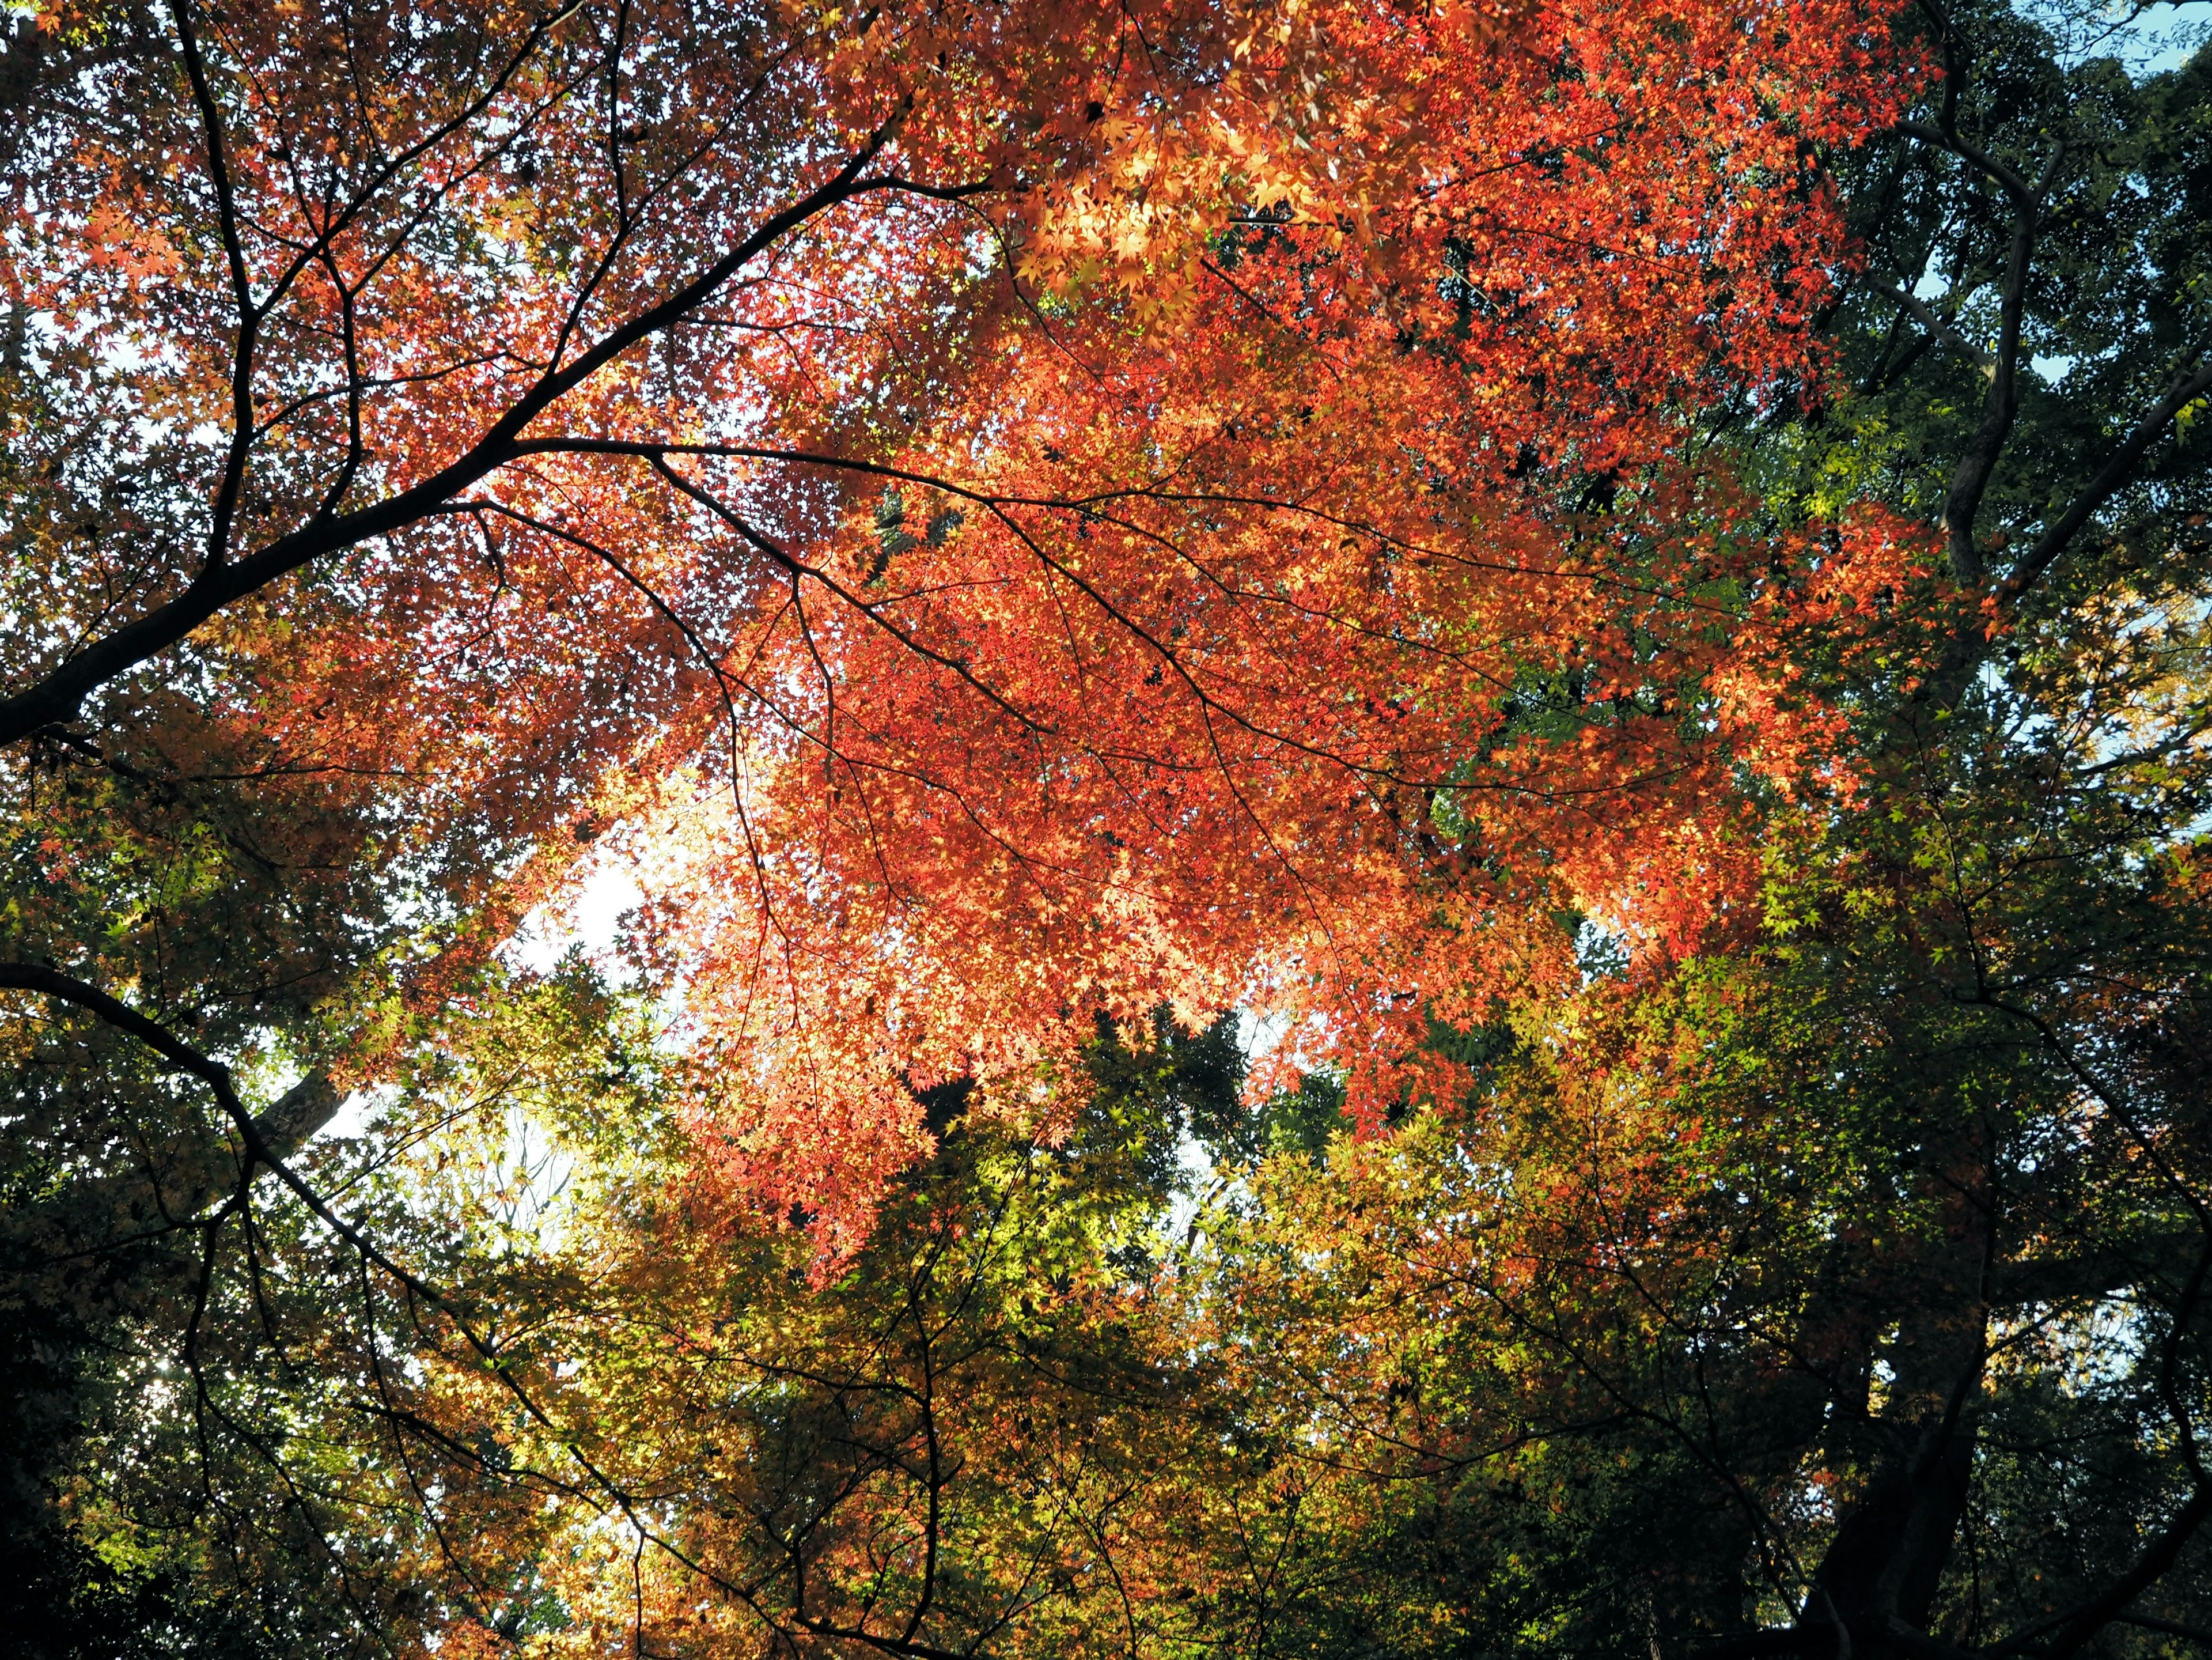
(1463, 535)
(1015, 513)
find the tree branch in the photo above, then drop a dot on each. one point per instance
(52, 982)
(1925, 316)
(2159, 1554)
(2112, 477)
(249, 320)
(55, 697)
(2022, 193)
(1999, 408)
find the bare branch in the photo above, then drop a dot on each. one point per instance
(1925, 316)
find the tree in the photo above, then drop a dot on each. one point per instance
(499, 453)
(443, 440)
(1844, 1293)
(1011, 519)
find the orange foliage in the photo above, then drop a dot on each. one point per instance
(1017, 511)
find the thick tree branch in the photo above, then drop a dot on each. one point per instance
(56, 696)
(2116, 474)
(1925, 316)
(2000, 407)
(2121, 469)
(52, 982)
(2022, 193)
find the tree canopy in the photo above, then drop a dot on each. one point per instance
(1417, 796)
